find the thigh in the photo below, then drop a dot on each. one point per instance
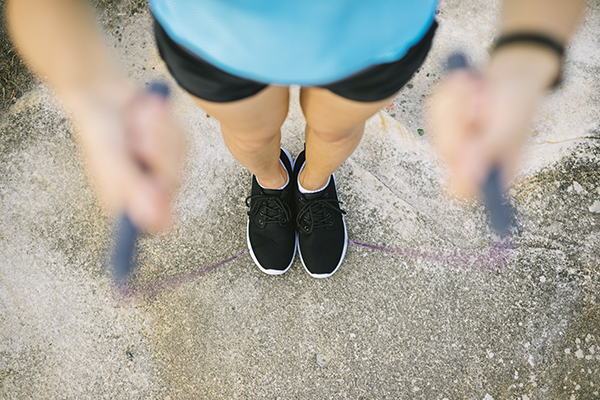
(259, 114)
(330, 114)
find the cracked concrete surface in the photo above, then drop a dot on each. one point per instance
(384, 326)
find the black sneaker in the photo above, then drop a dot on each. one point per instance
(322, 235)
(271, 230)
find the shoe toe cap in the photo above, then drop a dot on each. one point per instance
(324, 257)
(274, 254)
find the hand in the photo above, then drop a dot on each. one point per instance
(133, 150)
(481, 121)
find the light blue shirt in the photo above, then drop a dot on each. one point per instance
(305, 42)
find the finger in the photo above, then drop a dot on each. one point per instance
(456, 122)
(454, 113)
(147, 201)
(129, 189)
(471, 170)
(155, 138)
(506, 122)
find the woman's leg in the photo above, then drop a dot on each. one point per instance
(251, 129)
(334, 127)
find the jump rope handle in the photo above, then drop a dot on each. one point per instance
(501, 213)
(126, 233)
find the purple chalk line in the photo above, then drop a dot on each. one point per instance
(493, 260)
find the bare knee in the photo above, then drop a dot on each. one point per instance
(250, 141)
(335, 135)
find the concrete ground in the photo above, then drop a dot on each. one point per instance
(398, 324)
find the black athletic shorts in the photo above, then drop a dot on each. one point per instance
(208, 82)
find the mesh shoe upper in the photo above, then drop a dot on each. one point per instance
(322, 235)
(271, 229)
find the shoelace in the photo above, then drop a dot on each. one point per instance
(270, 208)
(315, 214)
